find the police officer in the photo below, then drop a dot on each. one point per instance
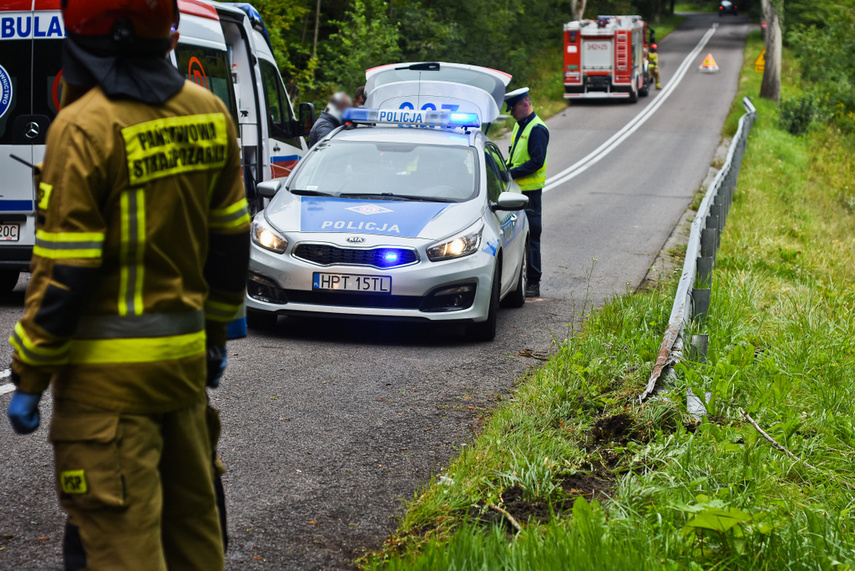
(140, 262)
(527, 164)
(653, 65)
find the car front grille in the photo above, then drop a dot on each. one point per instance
(328, 255)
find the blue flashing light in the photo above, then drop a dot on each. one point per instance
(410, 117)
(391, 257)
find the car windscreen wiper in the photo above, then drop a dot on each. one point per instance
(393, 196)
(307, 192)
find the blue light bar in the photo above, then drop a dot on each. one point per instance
(411, 117)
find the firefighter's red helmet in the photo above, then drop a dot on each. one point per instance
(653, 47)
(151, 19)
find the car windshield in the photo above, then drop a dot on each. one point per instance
(391, 171)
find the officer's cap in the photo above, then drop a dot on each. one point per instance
(515, 97)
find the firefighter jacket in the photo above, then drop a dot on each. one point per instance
(522, 159)
(141, 252)
(653, 60)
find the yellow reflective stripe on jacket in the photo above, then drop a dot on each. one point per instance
(132, 204)
(231, 217)
(69, 245)
(140, 350)
(32, 354)
(174, 145)
(222, 312)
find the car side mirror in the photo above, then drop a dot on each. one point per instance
(510, 201)
(269, 188)
(307, 117)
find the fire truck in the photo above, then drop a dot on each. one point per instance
(223, 47)
(605, 58)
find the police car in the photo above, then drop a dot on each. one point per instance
(408, 212)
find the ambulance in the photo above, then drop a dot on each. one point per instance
(223, 47)
(606, 58)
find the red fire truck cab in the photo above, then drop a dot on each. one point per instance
(606, 57)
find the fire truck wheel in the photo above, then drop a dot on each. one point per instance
(645, 88)
(633, 95)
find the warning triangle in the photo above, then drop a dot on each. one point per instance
(709, 64)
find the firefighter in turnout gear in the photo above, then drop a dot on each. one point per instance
(653, 65)
(527, 165)
(140, 261)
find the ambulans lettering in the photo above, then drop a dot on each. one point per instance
(25, 27)
(166, 147)
(367, 226)
(6, 91)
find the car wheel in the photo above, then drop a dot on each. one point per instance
(486, 330)
(260, 319)
(8, 280)
(516, 298)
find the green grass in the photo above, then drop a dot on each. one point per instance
(598, 481)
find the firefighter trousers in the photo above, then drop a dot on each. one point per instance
(138, 489)
(654, 73)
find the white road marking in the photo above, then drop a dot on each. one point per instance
(8, 387)
(600, 152)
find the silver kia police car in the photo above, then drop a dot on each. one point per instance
(408, 212)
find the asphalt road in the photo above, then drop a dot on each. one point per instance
(331, 426)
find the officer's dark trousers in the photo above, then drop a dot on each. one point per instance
(534, 213)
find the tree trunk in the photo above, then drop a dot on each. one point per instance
(577, 8)
(771, 86)
(317, 23)
(672, 6)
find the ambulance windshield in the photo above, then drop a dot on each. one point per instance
(394, 171)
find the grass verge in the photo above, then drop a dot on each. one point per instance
(571, 473)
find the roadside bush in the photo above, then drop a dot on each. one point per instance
(797, 114)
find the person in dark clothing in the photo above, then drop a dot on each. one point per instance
(527, 165)
(359, 97)
(330, 119)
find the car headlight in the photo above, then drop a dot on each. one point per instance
(266, 237)
(456, 248)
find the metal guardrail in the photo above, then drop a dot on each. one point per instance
(693, 293)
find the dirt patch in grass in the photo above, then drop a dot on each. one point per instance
(617, 428)
(589, 486)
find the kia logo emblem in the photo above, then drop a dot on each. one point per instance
(33, 130)
(356, 239)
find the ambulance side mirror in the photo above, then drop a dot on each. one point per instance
(269, 188)
(307, 118)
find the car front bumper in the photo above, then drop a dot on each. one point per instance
(282, 284)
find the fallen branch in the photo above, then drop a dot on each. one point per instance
(781, 448)
(508, 516)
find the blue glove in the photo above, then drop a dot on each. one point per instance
(217, 361)
(24, 412)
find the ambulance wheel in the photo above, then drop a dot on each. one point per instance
(516, 298)
(486, 330)
(8, 280)
(260, 319)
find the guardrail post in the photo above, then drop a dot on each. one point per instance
(698, 348)
(700, 303)
(710, 233)
(705, 269)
